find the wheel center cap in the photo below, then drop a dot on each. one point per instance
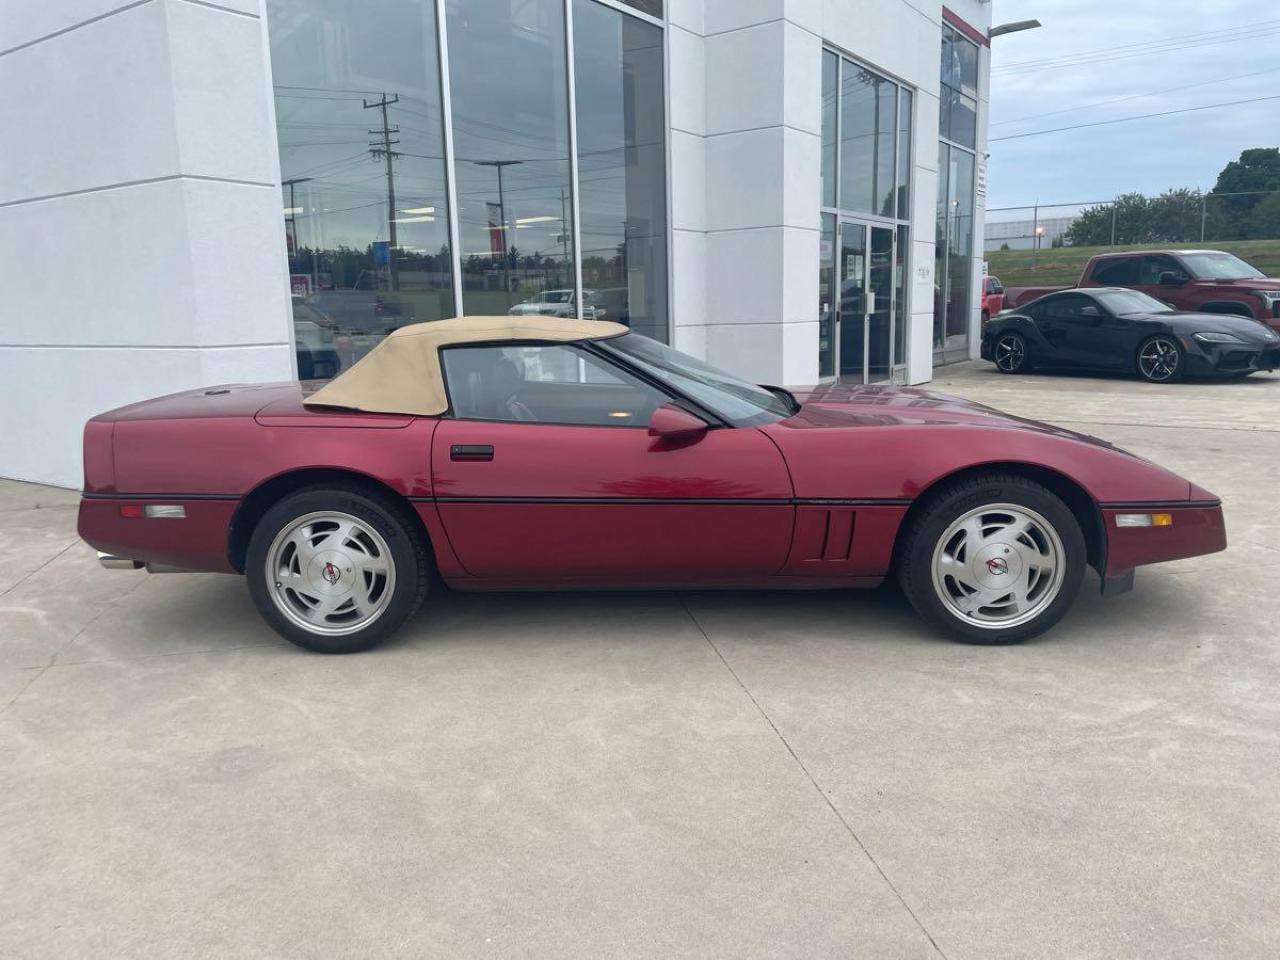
(330, 573)
(997, 566)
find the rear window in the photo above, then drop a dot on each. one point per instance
(1116, 271)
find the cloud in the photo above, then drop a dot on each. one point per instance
(1093, 163)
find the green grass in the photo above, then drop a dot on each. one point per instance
(1063, 265)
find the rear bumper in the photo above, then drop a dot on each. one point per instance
(1197, 529)
(196, 541)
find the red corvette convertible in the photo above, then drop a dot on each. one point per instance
(539, 453)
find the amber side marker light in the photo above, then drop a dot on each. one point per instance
(1144, 519)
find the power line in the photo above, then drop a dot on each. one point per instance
(1135, 96)
(1143, 116)
(1215, 35)
(1094, 61)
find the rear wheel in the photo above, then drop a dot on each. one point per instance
(1011, 353)
(993, 560)
(336, 570)
(1160, 359)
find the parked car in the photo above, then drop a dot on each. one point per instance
(1114, 328)
(992, 298)
(314, 344)
(560, 303)
(623, 464)
(1207, 281)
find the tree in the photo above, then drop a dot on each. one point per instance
(1264, 220)
(1256, 172)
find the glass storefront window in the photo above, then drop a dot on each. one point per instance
(830, 78)
(622, 167)
(958, 97)
(957, 128)
(367, 192)
(905, 102)
(510, 110)
(357, 92)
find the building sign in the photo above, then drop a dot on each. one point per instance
(980, 179)
(300, 284)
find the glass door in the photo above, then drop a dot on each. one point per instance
(851, 262)
(865, 263)
(880, 305)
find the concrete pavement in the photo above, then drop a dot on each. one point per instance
(657, 775)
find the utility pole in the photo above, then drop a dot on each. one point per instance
(1113, 223)
(1204, 212)
(293, 222)
(502, 215)
(381, 149)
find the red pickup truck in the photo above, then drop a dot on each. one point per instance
(1204, 281)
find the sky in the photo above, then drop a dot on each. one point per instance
(1148, 156)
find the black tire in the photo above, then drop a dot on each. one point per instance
(1161, 359)
(921, 541)
(1010, 353)
(407, 555)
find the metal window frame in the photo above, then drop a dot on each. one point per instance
(450, 176)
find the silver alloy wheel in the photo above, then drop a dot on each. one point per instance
(1159, 359)
(1010, 353)
(998, 566)
(330, 573)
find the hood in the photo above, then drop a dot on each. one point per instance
(1243, 283)
(1187, 322)
(842, 406)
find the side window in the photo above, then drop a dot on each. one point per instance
(1116, 272)
(544, 384)
(1153, 266)
(1065, 308)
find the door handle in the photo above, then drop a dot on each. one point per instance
(481, 452)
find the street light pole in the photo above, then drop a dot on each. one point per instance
(502, 216)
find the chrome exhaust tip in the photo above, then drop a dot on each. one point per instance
(118, 563)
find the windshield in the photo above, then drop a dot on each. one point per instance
(1122, 302)
(552, 296)
(740, 403)
(1219, 266)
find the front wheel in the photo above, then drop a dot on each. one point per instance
(993, 560)
(1160, 359)
(336, 570)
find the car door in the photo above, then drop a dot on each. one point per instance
(1081, 331)
(544, 472)
(1150, 269)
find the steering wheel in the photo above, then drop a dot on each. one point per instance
(518, 410)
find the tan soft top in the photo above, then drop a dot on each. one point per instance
(402, 373)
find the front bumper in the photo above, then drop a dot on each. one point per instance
(1197, 529)
(1225, 359)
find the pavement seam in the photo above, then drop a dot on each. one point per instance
(53, 659)
(9, 590)
(822, 793)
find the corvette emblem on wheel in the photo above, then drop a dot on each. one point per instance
(330, 573)
(998, 566)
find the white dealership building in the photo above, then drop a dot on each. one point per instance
(208, 191)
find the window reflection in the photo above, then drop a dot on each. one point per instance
(361, 153)
(509, 99)
(621, 168)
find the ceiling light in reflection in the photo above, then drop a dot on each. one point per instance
(521, 221)
(290, 211)
(419, 210)
(414, 220)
